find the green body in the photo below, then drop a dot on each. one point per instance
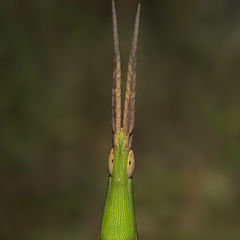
(118, 221)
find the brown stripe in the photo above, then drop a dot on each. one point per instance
(116, 90)
(130, 94)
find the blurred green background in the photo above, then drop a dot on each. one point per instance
(55, 107)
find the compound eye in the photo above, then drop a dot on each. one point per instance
(110, 161)
(130, 164)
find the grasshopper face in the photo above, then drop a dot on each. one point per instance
(118, 221)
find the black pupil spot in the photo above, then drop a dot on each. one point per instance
(112, 160)
(129, 162)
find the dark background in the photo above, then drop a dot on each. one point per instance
(56, 61)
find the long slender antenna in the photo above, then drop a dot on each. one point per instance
(130, 94)
(116, 89)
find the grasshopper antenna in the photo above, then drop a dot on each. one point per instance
(130, 94)
(116, 89)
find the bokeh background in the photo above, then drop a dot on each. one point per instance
(56, 61)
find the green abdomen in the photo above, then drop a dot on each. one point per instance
(118, 222)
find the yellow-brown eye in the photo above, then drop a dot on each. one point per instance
(110, 161)
(130, 163)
